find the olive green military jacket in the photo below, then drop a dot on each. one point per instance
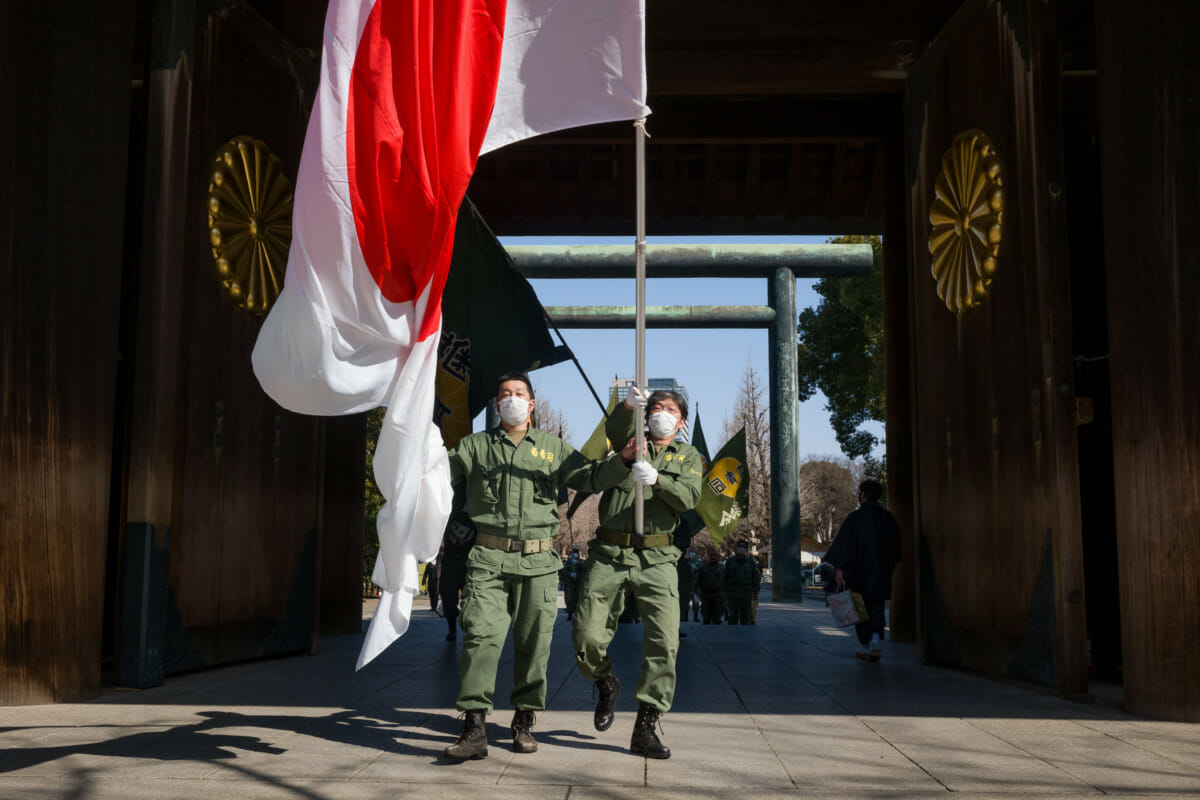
(680, 474)
(512, 491)
(740, 575)
(709, 580)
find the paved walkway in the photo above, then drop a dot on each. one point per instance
(779, 710)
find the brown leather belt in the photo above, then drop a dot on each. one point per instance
(637, 541)
(523, 546)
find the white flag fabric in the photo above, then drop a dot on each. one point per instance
(403, 105)
(568, 63)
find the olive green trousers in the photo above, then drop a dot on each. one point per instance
(491, 603)
(656, 589)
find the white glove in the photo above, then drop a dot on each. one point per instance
(644, 474)
(636, 398)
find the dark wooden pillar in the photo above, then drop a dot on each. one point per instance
(1149, 77)
(66, 71)
(342, 523)
(902, 618)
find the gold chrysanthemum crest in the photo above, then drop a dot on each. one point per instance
(249, 222)
(966, 220)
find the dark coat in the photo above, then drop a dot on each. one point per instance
(867, 549)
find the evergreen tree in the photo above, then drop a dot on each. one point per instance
(841, 351)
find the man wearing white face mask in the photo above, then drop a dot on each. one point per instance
(511, 476)
(671, 476)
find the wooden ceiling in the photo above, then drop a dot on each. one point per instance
(770, 117)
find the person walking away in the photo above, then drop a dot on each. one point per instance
(643, 564)
(511, 476)
(864, 554)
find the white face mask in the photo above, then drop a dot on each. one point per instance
(514, 410)
(662, 424)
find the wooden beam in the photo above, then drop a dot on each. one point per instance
(668, 181)
(753, 165)
(709, 199)
(791, 205)
(837, 180)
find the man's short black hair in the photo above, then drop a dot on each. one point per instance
(515, 375)
(663, 394)
(872, 489)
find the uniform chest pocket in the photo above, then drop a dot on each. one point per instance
(671, 465)
(489, 485)
(545, 489)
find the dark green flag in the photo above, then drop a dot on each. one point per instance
(698, 441)
(492, 322)
(690, 520)
(725, 495)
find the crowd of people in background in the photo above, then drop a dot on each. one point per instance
(712, 588)
(715, 589)
(723, 590)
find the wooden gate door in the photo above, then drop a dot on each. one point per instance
(238, 482)
(995, 459)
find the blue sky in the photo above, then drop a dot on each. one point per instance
(709, 363)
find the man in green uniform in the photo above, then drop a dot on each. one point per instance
(709, 580)
(740, 577)
(620, 559)
(512, 476)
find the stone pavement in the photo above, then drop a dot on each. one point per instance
(779, 710)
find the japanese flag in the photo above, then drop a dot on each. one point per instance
(411, 92)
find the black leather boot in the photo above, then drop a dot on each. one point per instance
(473, 742)
(522, 725)
(606, 706)
(645, 741)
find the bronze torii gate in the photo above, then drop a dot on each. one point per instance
(780, 265)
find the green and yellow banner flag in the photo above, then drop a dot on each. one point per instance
(597, 446)
(492, 322)
(725, 495)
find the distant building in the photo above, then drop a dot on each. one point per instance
(657, 385)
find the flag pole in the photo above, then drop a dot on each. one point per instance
(639, 425)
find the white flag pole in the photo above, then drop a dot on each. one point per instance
(639, 425)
